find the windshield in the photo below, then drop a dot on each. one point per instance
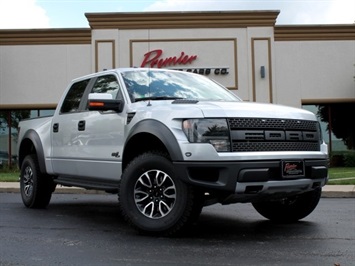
(163, 85)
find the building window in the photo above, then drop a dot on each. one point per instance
(9, 120)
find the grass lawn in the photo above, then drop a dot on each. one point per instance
(342, 176)
(9, 176)
(337, 176)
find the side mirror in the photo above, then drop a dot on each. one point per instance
(104, 102)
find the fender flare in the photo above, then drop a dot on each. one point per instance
(33, 136)
(162, 132)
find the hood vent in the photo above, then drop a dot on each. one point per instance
(184, 101)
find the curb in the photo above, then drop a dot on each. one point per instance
(329, 191)
(14, 187)
(338, 191)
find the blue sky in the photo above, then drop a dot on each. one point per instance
(18, 14)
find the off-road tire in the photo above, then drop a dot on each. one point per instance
(153, 200)
(289, 209)
(36, 188)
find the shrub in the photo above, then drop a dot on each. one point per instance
(342, 158)
(349, 159)
(5, 168)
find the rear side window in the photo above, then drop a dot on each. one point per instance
(72, 100)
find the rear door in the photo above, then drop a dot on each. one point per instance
(65, 142)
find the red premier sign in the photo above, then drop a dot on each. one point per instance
(154, 59)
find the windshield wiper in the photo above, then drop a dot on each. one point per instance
(158, 98)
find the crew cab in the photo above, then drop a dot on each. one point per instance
(168, 143)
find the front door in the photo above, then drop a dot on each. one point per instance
(100, 135)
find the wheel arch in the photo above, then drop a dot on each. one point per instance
(150, 135)
(31, 144)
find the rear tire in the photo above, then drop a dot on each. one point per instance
(289, 209)
(153, 200)
(36, 187)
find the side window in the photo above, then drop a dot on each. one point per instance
(107, 84)
(72, 99)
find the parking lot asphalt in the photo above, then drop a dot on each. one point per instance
(329, 191)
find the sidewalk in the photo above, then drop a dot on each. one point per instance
(329, 191)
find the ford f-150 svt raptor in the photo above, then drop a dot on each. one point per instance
(169, 143)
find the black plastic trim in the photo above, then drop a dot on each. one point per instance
(224, 175)
(162, 132)
(35, 139)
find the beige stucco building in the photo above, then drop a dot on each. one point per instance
(244, 50)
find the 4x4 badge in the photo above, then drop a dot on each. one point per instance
(115, 154)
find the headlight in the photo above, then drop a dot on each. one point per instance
(213, 131)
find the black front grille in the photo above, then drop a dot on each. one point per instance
(267, 123)
(275, 146)
(265, 134)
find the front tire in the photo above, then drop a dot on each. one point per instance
(153, 199)
(36, 187)
(289, 209)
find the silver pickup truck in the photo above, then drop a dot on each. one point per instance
(169, 143)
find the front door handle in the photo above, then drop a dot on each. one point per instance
(81, 125)
(55, 127)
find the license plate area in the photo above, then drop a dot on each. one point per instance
(292, 169)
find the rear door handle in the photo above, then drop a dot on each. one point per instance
(81, 125)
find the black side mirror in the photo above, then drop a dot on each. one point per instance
(104, 102)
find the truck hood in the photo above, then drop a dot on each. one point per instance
(219, 109)
(250, 109)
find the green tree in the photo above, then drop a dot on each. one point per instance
(13, 117)
(341, 122)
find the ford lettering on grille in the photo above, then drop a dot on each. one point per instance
(262, 134)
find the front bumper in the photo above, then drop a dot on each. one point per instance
(252, 177)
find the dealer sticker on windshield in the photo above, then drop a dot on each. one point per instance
(292, 169)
